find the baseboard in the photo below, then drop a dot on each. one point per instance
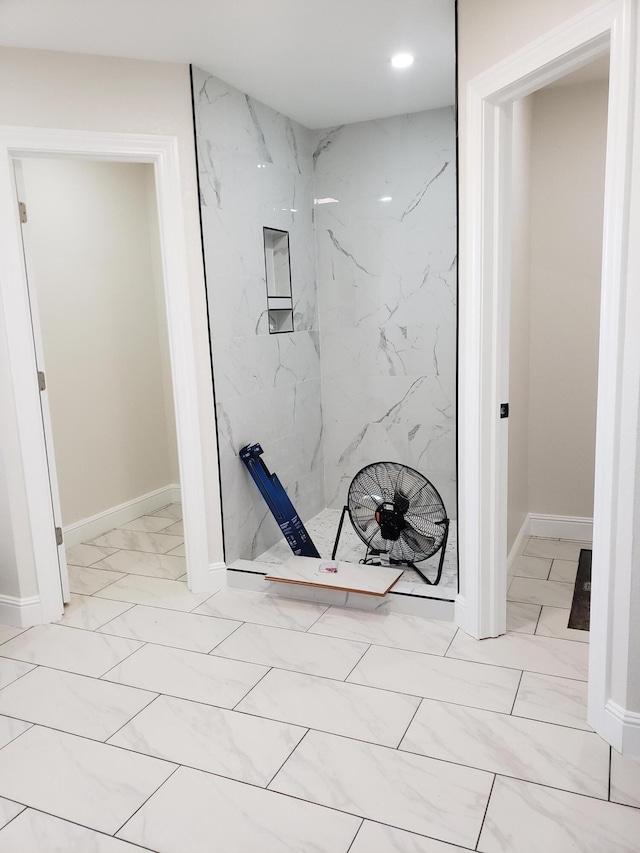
(516, 548)
(561, 527)
(624, 728)
(217, 576)
(20, 612)
(90, 528)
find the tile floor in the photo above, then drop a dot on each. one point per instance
(153, 719)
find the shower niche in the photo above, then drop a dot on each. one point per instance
(277, 263)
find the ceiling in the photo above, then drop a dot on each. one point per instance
(321, 62)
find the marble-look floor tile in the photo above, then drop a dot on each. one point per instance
(564, 571)
(141, 563)
(386, 629)
(522, 617)
(285, 649)
(8, 810)
(249, 749)
(378, 838)
(407, 791)
(262, 609)
(176, 529)
(87, 555)
(69, 648)
(193, 808)
(531, 567)
(188, 675)
(147, 524)
(530, 818)
(11, 729)
(553, 623)
(180, 551)
(170, 511)
(85, 611)
(625, 779)
(81, 780)
(171, 628)
(35, 832)
(86, 581)
(550, 755)
(457, 681)
(535, 591)
(378, 716)
(73, 703)
(156, 592)
(132, 540)
(556, 549)
(524, 651)
(10, 670)
(562, 701)
(8, 632)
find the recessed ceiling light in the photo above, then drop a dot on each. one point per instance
(385, 198)
(402, 60)
(325, 200)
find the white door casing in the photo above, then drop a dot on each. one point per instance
(484, 347)
(33, 522)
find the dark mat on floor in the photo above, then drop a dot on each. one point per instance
(579, 618)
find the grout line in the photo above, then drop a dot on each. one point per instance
(413, 716)
(244, 696)
(515, 697)
(17, 737)
(484, 816)
(369, 645)
(270, 782)
(23, 809)
(315, 621)
(126, 723)
(455, 633)
(356, 835)
(230, 634)
(177, 767)
(111, 668)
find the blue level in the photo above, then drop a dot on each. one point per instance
(278, 502)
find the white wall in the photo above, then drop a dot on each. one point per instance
(58, 90)
(568, 152)
(91, 267)
(518, 462)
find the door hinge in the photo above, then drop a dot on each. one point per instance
(42, 382)
(22, 207)
(504, 410)
(58, 536)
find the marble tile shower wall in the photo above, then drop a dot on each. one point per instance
(256, 170)
(386, 272)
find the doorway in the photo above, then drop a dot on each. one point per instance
(96, 292)
(33, 524)
(484, 313)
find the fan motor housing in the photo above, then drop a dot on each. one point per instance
(390, 517)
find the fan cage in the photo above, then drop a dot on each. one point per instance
(396, 510)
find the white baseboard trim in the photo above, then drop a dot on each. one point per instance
(217, 576)
(624, 729)
(561, 527)
(20, 612)
(516, 548)
(90, 528)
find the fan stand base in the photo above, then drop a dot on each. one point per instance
(373, 553)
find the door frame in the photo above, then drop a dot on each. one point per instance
(28, 475)
(484, 344)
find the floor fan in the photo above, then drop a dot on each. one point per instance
(396, 511)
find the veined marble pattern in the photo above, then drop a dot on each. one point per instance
(386, 255)
(322, 529)
(534, 819)
(255, 169)
(570, 759)
(407, 791)
(341, 746)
